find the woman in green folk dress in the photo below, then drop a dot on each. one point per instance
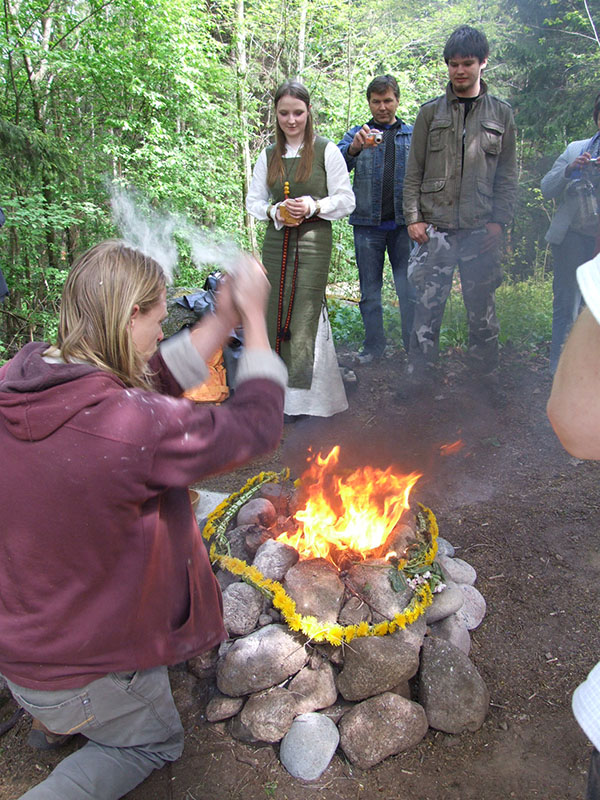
(299, 185)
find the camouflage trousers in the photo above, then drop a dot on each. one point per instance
(430, 270)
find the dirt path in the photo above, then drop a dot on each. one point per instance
(524, 514)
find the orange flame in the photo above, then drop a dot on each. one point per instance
(355, 511)
(452, 449)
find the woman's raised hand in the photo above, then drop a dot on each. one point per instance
(250, 286)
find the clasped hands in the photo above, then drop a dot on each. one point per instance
(293, 211)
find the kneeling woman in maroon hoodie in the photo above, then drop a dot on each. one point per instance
(104, 579)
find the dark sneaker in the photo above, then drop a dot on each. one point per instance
(365, 357)
(40, 738)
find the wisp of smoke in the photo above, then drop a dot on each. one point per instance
(152, 232)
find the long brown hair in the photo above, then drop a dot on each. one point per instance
(98, 298)
(276, 171)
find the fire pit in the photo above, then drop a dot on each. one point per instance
(330, 586)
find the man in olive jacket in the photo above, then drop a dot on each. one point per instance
(459, 193)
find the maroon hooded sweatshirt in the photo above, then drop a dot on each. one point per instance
(102, 566)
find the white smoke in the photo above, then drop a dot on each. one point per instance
(152, 232)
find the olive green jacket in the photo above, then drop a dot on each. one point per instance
(442, 188)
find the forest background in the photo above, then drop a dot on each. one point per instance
(173, 99)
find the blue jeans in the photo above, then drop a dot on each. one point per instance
(574, 250)
(131, 724)
(370, 244)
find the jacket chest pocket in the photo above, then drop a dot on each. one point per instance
(491, 136)
(438, 133)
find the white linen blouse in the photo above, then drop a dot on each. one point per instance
(338, 203)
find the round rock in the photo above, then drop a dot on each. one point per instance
(452, 630)
(258, 511)
(314, 687)
(308, 747)
(316, 588)
(372, 582)
(474, 607)
(268, 715)
(381, 727)
(445, 603)
(222, 707)
(274, 559)
(457, 570)
(444, 547)
(260, 660)
(376, 664)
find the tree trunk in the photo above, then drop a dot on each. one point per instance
(241, 68)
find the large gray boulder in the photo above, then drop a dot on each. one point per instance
(316, 588)
(380, 727)
(371, 580)
(376, 664)
(451, 690)
(263, 659)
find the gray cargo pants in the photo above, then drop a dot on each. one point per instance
(130, 721)
(430, 270)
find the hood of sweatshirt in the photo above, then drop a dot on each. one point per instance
(37, 398)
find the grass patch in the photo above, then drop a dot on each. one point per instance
(524, 310)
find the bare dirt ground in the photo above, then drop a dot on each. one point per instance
(519, 509)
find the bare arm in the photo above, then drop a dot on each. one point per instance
(574, 404)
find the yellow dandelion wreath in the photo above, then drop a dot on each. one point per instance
(317, 630)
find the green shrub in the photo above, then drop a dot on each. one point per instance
(524, 310)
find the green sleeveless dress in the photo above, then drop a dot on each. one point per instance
(311, 242)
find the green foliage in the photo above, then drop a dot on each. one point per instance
(147, 94)
(524, 311)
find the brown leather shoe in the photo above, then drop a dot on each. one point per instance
(42, 739)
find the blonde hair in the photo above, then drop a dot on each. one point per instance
(276, 170)
(98, 300)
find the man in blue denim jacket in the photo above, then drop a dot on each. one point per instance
(378, 151)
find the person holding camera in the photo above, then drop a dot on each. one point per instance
(377, 152)
(299, 184)
(459, 193)
(574, 181)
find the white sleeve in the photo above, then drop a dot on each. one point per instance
(259, 196)
(588, 278)
(257, 200)
(340, 199)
